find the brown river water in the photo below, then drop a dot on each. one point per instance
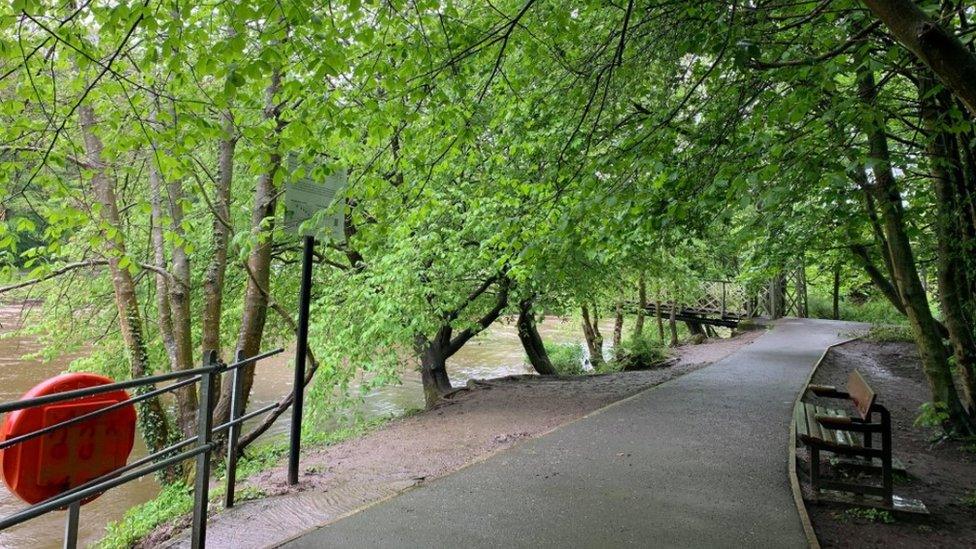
(492, 354)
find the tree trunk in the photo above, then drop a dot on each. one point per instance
(861, 178)
(948, 58)
(179, 302)
(433, 366)
(528, 334)
(153, 422)
(213, 279)
(618, 325)
(933, 352)
(594, 340)
(163, 317)
(659, 317)
(258, 263)
(434, 352)
(641, 307)
(950, 238)
(176, 351)
(836, 293)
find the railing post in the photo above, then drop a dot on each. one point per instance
(71, 526)
(204, 425)
(723, 300)
(237, 381)
(301, 352)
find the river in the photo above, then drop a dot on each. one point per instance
(495, 353)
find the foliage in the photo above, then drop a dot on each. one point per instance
(566, 358)
(875, 310)
(639, 353)
(931, 414)
(870, 515)
(883, 333)
(970, 500)
(174, 500)
(531, 149)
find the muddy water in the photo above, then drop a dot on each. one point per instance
(495, 353)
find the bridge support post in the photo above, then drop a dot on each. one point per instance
(777, 291)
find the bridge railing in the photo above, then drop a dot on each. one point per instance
(199, 447)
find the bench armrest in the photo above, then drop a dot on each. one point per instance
(847, 424)
(828, 391)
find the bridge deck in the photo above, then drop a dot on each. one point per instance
(699, 314)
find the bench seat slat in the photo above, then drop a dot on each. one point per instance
(837, 435)
(800, 419)
(813, 428)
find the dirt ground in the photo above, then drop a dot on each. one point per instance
(474, 424)
(941, 474)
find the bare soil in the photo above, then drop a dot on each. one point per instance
(940, 473)
(486, 417)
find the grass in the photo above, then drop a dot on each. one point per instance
(876, 310)
(887, 333)
(870, 515)
(566, 358)
(176, 500)
(173, 501)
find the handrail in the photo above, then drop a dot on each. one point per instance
(201, 444)
(128, 384)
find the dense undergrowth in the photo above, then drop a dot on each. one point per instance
(566, 358)
(875, 310)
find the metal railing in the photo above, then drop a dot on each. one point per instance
(199, 447)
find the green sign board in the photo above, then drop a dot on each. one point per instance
(305, 198)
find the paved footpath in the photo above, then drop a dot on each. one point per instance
(699, 461)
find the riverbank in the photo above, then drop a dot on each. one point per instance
(940, 473)
(488, 417)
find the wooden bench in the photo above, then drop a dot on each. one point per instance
(824, 429)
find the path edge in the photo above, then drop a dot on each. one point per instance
(495, 452)
(481, 459)
(801, 507)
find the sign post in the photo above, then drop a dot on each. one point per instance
(304, 199)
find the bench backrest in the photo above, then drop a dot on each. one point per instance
(861, 393)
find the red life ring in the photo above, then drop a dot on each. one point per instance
(48, 465)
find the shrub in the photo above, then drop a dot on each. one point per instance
(887, 333)
(932, 414)
(566, 358)
(639, 353)
(874, 310)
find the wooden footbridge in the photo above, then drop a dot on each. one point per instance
(725, 303)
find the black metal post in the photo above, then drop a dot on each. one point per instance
(201, 490)
(234, 432)
(71, 526)
(301, 352)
